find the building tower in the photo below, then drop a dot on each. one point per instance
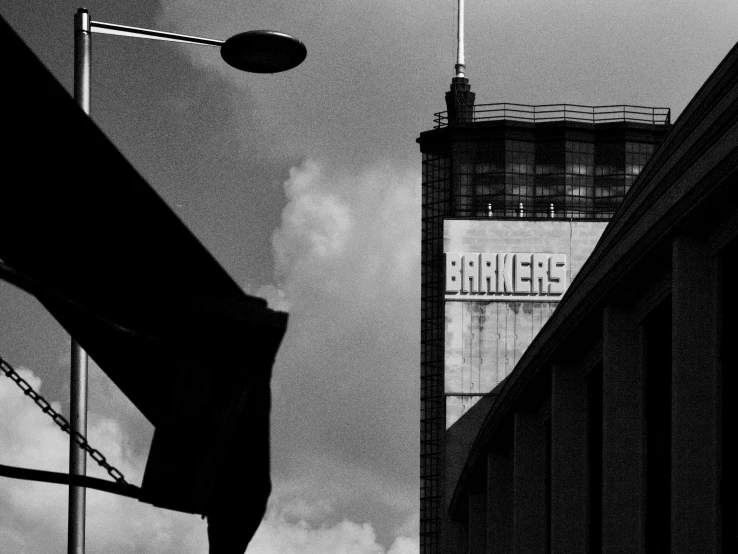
(514, 198)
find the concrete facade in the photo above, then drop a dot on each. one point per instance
(485, 339)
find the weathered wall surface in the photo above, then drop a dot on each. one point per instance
(485, 339)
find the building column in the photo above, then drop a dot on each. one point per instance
(569, 496)
(454, 534)
(695, 523)
(530, 510)
(478, 517)
(623, 464)
(499, 502)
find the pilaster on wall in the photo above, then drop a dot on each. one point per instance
(568, 461)
(478, 517)
(499, 502)
(695, 398)
(454, 535)
(530, 509)
(623, 433)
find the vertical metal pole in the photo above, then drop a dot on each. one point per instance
(82, 47)
(78, 386)
(77, 457)
(460, 63)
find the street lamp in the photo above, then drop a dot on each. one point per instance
(252, 51)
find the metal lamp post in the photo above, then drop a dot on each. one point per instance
(252, 51)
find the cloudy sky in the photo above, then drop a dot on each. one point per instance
(305, 187)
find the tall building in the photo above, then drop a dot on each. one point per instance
(616, 430)
(514, 199)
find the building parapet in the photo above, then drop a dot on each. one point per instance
(562, 112)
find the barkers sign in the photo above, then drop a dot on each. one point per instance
(505, 277)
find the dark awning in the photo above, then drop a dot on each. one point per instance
(125, 277)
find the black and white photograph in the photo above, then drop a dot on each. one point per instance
(390, 277)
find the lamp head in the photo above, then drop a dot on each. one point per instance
(263, 52)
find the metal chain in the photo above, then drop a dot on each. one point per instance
(61, 421)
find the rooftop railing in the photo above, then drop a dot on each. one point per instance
(561, 112)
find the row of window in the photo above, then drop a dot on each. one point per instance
(566, 179)
(630, 165)
(492, 156)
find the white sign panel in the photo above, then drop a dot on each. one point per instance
(510, 260)
(515, 276)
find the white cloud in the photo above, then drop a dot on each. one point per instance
(350, 235)
(316, 223)
(345, 381)
(276, 298)
(347, 255)
(279, 536)
(322, 486)
(35, 514)
(353, 96)
(304, 515)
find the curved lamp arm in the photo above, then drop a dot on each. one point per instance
(138, 32)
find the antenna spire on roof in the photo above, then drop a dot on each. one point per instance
(460, 99)
(460, 64)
